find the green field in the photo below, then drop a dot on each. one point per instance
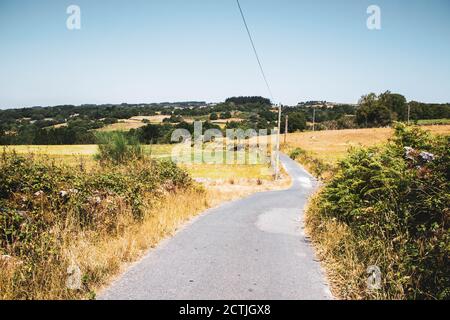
(84, 155)
(433, 122)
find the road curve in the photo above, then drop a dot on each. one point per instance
(250, 249)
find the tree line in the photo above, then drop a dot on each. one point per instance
(77, 124)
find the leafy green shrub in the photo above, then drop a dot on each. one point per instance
(39, 199)
(316, 166)
(396, 202)
(296, 153)
(116, 147)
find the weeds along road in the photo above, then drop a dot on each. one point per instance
(252, 249)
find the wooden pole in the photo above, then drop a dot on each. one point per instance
(409, 114)
(286, 129)
(314, 119)
(278, 143)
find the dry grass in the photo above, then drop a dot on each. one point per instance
(76, 155)
(232, 189)
(61, 150)
(100, 255)
(331, 146)
(345, 257)
(227, 172)
(57, 126)
(163, 221)
(152, 119)
(123, 125)
(115, 255)
(107, 258)
(338, 252)
(224, 121)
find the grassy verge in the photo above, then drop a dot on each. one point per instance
(434, 122)
(316, 166)
(62, 223)
(65, 217)
(333, 146)
(387, 207)
(83, 156)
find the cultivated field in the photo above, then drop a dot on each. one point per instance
(152, 119)
(330, 146)
(84, 155)
(434, 122)
(123, 125)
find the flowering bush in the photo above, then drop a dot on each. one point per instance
(396, 202)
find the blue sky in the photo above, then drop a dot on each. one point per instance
(172, 50)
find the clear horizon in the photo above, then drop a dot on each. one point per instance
(198, 50)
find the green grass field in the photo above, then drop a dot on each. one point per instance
(84, 155)
(434, 122)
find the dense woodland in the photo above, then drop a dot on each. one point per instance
(68, 124)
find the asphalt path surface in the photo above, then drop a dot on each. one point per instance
(250, 249)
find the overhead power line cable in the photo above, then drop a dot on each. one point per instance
(255, 51)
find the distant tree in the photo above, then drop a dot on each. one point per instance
(380, 116)
(149, 134)
(253, 118)
(347, 122)
(108, 121)
(396, 103)
(173, 119)
(117, 148)
(245, 100)
(268, 115)
(213, 117)
(225, 115)
(37, 116)
(167, 112)
(372, 112)
(297, 122)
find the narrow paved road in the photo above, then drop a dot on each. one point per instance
(251, 249)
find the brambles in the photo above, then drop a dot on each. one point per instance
(117, 148)
(45, 210)
(393, 203)
(316, 166)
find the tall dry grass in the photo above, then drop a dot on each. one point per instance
(333, 145)
(106, 257)
(336, 248)
(101, 254)
(380, 209)
(113, 235)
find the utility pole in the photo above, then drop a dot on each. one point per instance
(286, 129)
(409, 114)
(314, 118)
(277, 174)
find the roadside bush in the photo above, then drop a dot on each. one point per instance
(117, 148)
(395, 203)
(44, 208)
(316, 166)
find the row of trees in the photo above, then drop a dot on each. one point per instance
(75, 132)
(248, 100)
(381, 110)
(39, 125)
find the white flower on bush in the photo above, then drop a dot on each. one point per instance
(416, 156)
(409, 153)
(39, 193)
(63, 194)
(427, 157)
